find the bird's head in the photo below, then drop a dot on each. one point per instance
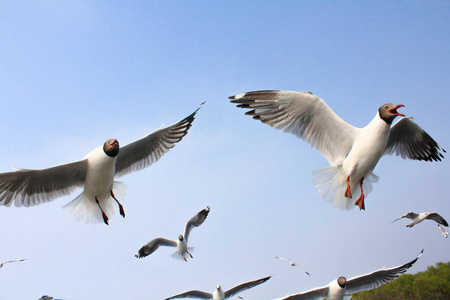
(180, 237)
(218, 288)
(388, 112)
(111, 147)
(342, 281)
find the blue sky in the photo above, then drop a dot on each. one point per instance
(76, 73)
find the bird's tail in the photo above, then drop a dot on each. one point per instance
(86, 210)
(182, 256)
(331, 184)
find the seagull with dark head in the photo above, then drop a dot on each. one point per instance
(417, 218)
(351, 152)
(95, 173)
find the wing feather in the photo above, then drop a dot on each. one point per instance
(317, 293)
(437, 218)
(195, 221)
(245, 286)
(303, 114)
(192, 294)
(153, 245)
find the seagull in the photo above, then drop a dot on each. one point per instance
(351, 152)
(96, 173)
(417, 218)
(444, 232)
(219, 294)
(11, 261)
(180, 243)
(336, 289)
(293, 264)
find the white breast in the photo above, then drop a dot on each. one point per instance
(100, 174)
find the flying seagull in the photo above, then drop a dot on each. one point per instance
(180, 243)
(444, 232)
(351, 152)
(338, 288)
(417, 218)
(11, 261)
(293, 264)
(219, 294)
(96, 173)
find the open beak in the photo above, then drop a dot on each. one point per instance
(394, 111)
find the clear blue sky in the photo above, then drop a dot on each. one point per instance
(76, 73)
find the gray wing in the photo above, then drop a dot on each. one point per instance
(32, 187)
(11, 261)
(195, 221)
(437, 218)
(148, 150)
(303, 114)
(245, 286)
(154, 244)
(377, 278)
(192, 294)
(409, 140)
(409, 215)
(317, 293)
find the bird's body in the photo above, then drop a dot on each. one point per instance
(219, 293)
(417, 218)
(95, 174)
(351, 152)
(181, 243)
(337, 289)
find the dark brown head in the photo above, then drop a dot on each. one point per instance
(388, 112)
(111, 147)
(342, 281)
(180, 237)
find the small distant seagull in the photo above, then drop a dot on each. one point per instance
(95, 173)
(241, 298)
(11, 261)
(444, 232)
(180, 243)
(417, 218)
(294, 264)
(338, 288)
(219, 294)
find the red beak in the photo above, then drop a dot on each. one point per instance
(394, 110)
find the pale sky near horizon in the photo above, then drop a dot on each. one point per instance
(76, 73)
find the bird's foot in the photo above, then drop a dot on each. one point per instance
(190, 255)
(348, 193)
(360, 201)
(105, 217)
(121, 210)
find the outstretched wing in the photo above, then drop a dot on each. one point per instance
(437, 218)
(409, 140)
(304, 115)
(317, 293)
(192, 294)
(32, 187)
(409, 215)
(11, 261)
(195, 221)
(154, 244)
(377, 278)
(148, 150)
(245, 286)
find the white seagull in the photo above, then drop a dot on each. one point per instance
(293, 264)
(444, 232)
(351, 152)
(219, 294)
(96, 173)
(180, 243)
(336, 289)
(417, 218)
(11, 261)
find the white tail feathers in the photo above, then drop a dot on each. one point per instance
(331, 184)
(182, 256)
(86, 210)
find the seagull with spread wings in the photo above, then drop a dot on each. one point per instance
(337, 289)
(219, 293)
(95, 173)
(351, 152)
(294, 264)
(180, 243)
(417, 218)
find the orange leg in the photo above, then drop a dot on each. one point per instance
(348, 193)
(360, 201)
(122, 211)
(105, 218)
(189, 254)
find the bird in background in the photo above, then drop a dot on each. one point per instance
(337, 289)
(351, 152)
(444, 232)
(294, 264)
(11, 261)
(219, 293)
(95, 173)
(417, 218)
(181, 243)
